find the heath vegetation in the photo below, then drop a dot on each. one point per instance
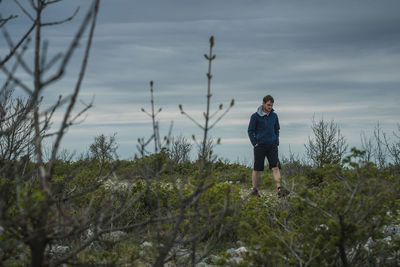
(166, 206)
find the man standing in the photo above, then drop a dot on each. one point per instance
(264, 136)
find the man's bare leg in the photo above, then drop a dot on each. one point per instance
(276, 173)
(277, 176)
(282, 192)
(254, 177)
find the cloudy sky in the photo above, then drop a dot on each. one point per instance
(337, 60)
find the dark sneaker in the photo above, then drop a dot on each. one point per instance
(282, 192)
(254, 192)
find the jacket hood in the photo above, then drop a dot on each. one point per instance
(261, 112)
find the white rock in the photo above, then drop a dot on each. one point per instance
(182, 252)
(392, 230)
(242, 252)
(114, 236)
(203, 264)
(58, 249)
(89, 233)
(146, 244)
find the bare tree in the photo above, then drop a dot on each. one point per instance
(380, 149)
(40, 211)
(16, 130)
(180, 150)
(103, 149)
(367, 146)
(34, 224)
(189, 221)
(375, 147)
(34, 25)
(394, 147)
(328, 144)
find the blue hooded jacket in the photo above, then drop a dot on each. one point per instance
(264, 129)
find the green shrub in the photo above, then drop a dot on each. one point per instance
(324, 224)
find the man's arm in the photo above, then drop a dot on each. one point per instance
(277, 128)
(252, 130)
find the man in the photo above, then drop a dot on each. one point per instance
(264, 136)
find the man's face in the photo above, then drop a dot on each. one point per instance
(267, 107)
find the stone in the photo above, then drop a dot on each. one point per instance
(58, 249)
(392, 230)
(114, 236)
(203, 264)
(146, 244)
(242, 252)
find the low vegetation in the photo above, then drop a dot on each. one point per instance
(164, 207)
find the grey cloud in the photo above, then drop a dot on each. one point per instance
(337, 59)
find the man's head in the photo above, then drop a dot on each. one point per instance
(268, 102)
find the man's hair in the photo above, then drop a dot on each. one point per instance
(268, 98)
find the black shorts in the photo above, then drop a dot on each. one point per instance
(269, 151)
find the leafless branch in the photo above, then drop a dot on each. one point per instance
(5, 20)
(353, 194)
(17, 81)
(315, 205)
(19, 55)
(293, 252)
(33, 5)
(25, 11)
(64, 124)
(61, 21)
(223, 114)
(51, 63)
(89, 16)
(49, 2)
(193, 120)
(14, 49)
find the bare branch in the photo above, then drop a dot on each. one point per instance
(11, 53)
(4, 21)
(19, 55)
(222, 115)
(71, 48)
(33, 5)
(49, 2)
(17, 81)
(70, 122)
(50, 64)
(25, 11)
(193, 120)
(353, 193)
(315, 205)
(44, 55)
(144, 111)
(61, 21)
(86, 108)
(288, 246)
(64, 125)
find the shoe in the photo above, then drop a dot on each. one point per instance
(254, 192)
(282, 192)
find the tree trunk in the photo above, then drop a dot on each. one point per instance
(342, 249)
(37, 253)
